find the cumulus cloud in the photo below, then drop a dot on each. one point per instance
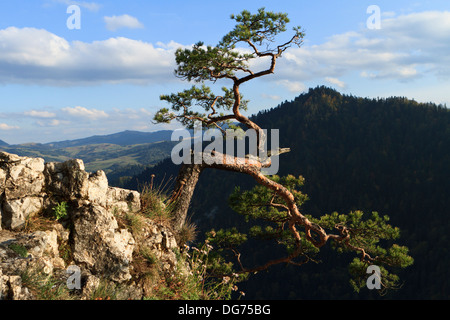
(31, 56)
(4, 126)
(292, 86)
(82, 117)
(46, 123)
(83, 112)
(39, 114)
(28, 48)
(406, 47)
(124, 21)
(336, 82)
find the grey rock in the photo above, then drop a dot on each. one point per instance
(11, 288)
(123, 200)
(16, 211)
(67, 179)
(22, 176)
(100, 245)
(22, 183)
(98, 188)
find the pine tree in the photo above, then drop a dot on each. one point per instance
(276, 200)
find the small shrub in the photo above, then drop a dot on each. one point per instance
(60, 211)
(195, 282)
(203, 262)
(134, 222)
(146, 269)
(156, 204)
(187, 233)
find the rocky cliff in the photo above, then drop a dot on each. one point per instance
(60, 222)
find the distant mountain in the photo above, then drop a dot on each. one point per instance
(124, 138)
(120, 155)
(3, 143)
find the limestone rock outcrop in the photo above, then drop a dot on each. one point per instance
(90, 237)
(100, 245)
(22, 183)
(28, 186)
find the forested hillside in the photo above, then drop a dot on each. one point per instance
(386, 155)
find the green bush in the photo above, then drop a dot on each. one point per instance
(60, 211)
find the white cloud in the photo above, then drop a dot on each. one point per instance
(406, 48)
(270, 96)
(52, 123)
(83, 112)
(337, 82)
(39, 114)
(4, 126)
(145, 112)
(75, 122)
(80, 115)
(37, 56)
(292, 86)
(29, 47)
(124, 21)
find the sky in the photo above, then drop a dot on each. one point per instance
(72, 69)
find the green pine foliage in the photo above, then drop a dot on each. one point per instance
(368, 237)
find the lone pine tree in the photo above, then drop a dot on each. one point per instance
(275, 200)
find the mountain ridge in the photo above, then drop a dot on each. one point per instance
(123, 138)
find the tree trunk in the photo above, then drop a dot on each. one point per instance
(183, 191)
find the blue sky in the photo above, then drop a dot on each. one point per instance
(58, 83)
